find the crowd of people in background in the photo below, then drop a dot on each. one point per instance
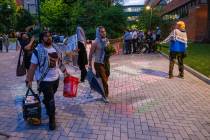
(141, 42)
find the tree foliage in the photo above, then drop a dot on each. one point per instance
(7, 15)
(23, 19)
(63, 16)
(115, 21)
(149, 20)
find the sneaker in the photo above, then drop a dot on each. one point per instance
(170, 76)
(106, 100)
(181, 76)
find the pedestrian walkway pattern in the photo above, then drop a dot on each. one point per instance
(144, 105)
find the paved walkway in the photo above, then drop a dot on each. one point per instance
(144, 105)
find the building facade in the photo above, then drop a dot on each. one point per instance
(133, 12)
(29, 5)
(193, 12)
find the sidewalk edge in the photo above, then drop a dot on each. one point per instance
(192, 71)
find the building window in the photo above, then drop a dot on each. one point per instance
(203, 1)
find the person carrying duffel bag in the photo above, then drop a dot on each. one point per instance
(46, 60)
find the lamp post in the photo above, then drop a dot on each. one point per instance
(151, 10)
(38, 12)
(28, 6)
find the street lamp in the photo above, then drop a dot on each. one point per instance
(38, 11)
(151, 10)
(148, 7)
(28, 6)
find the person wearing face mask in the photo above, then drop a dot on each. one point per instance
(45, 64)
(178, 45)
(98, 49)
(27, 46)
(82, 53)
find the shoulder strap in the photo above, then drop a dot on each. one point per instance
(43, 74)
(36, 54)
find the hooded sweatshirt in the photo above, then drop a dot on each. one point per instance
(178, 41)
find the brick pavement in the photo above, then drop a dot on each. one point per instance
(145, 105)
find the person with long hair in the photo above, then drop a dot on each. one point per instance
(27, 46)
(82, 53)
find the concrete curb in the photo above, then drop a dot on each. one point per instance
(192, 71)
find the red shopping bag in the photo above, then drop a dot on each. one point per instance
(70, 86)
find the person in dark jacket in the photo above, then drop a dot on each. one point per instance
(1, 43)
(82, 53)
(27, 45)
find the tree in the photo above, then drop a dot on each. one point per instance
(59, 16)
(95, 13)
(7, 15)
(63, 16)
(156, 20)
(149, 18)
(114, 20)
(91, 17)
(23, 19)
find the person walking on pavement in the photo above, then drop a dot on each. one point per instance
(82, 53)
(178, 45)
(149, 41)
(45, 65)
(134, 40)
(18, 38)
(101, 66)
(27, 46)
(6, 42)
(1, 43)
(127, 38)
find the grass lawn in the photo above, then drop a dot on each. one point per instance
(198, 57)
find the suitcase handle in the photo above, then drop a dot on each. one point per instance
(33, 93)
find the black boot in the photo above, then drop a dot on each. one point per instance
(52, 124)
(52, 115)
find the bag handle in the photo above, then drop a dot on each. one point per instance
(33, 93)
(43, 74)
(21, 50)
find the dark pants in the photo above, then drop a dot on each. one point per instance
(7, 48)
(179, 57)
(103, 74)
(49, 89)
(135, 41)
(83, 72)
(1, 48)
(127, 46)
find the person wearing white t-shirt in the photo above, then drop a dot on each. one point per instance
(45, 66)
